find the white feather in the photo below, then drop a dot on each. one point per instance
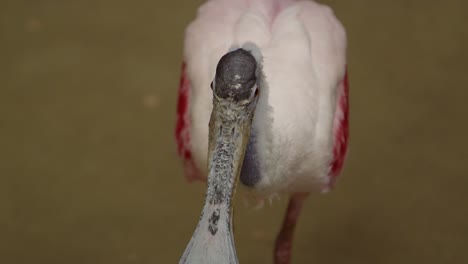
(303, 49)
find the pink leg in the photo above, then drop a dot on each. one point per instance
(284, 239)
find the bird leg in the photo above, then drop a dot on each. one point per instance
(283, 246)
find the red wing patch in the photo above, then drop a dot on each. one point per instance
(340, 131)
(182, 130)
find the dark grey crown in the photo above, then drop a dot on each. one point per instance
(235, 75)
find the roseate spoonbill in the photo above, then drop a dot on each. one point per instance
(276, 115)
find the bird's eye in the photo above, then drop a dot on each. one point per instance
(256, 92)
(211, 85)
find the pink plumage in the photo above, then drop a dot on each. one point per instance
(341, 131)
(182, 129)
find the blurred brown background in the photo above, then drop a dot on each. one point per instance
(88, 170)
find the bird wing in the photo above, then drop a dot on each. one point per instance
(182, 130)
(340, 130)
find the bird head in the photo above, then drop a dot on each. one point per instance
(236, 78)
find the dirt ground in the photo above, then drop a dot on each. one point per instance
(88, 168)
